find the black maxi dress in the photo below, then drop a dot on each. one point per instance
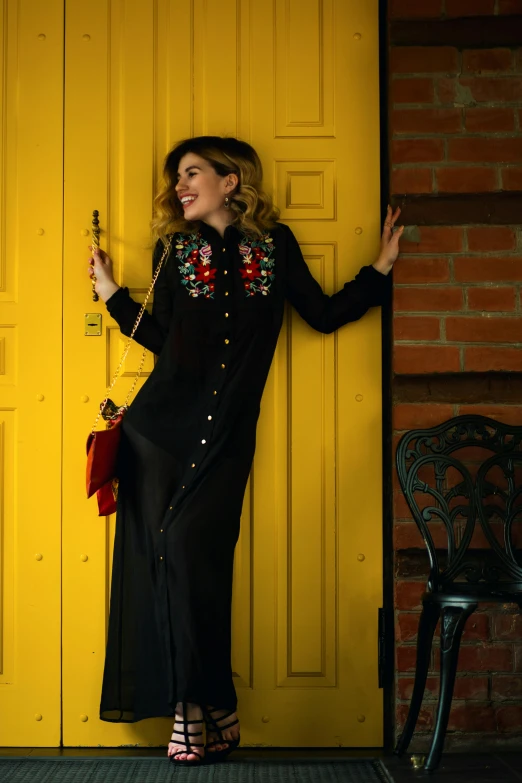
(187, 447)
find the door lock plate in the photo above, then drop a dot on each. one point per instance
(93, 324)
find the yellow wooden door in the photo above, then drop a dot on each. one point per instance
(299, 80)
(31, 105)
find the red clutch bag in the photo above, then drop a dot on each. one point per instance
(102, 454)
(102, 446)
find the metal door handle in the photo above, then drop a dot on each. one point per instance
(95, 243)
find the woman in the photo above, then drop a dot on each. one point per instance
(189, 436)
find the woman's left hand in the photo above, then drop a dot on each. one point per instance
(389, 242)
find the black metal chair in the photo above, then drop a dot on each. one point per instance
(479, 494)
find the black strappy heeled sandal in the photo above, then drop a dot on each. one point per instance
(214, 725)
(186, 734)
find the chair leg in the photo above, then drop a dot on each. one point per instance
(453, 621)
(427, 624)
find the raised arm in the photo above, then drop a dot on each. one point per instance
(153, 329)
(369, 288)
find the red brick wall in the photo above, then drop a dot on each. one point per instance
(455, 121)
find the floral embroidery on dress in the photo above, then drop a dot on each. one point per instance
(258, 265)
(195, 255)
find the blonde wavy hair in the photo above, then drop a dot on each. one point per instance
(253, 210)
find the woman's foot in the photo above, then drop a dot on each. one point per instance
(186, 743)
(228, 725)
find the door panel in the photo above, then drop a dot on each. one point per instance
(299, 80)
(108, 162)
(31, 87)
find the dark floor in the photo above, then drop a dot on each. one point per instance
(476, 768)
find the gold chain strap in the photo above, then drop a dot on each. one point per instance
(129, 342)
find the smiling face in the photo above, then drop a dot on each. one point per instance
(202, 190)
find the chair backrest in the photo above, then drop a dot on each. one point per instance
(463, 483)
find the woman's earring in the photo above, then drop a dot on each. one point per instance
(227, 202)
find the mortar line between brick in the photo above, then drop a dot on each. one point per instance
(460, 134)
(461, 283)
(454, 344)
(456, 164)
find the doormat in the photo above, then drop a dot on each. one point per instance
(31, 770)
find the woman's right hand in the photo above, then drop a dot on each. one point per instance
(101, 266)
